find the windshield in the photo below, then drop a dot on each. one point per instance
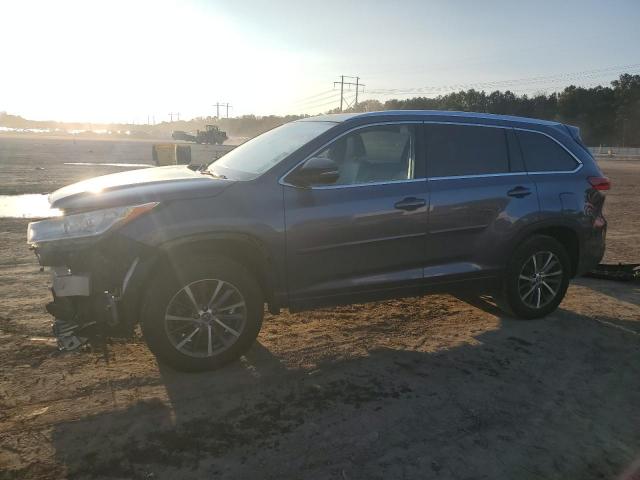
(258, 155)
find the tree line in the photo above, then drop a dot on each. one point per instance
(606, 115)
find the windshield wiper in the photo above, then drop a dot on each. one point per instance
(214, 175)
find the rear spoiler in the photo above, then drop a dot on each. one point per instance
(574, 132)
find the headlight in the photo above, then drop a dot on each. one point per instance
(80, 225)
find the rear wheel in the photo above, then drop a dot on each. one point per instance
(537, 278)
(204, 315)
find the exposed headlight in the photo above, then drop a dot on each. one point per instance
(81, 225)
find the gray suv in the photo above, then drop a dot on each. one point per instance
(323, 211)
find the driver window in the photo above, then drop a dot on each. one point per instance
(381, 153)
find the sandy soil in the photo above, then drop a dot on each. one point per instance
(432, 387)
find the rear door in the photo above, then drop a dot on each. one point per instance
(480, 197)
(367, 231)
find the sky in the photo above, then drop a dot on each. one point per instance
(130, 61)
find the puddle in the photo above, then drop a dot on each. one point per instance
(33, 205)
(129, 165)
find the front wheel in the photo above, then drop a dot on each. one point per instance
(537, 278)
(202, 315)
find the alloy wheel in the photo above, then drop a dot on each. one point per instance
(540, 279)
(205, 317)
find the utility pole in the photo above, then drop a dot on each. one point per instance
(218, 105)
(342, 83)
(177, 114)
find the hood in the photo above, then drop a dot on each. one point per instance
(136, 187)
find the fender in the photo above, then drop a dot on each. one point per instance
(272, 280)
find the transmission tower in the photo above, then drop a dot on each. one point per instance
(225, 105)
(342, 84)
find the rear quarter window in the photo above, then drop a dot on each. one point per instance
(542, 154)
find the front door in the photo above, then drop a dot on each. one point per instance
(367, 230)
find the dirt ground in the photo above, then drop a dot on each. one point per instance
(33, 164)
(431, 387)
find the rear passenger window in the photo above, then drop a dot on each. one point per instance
(542, 154)
(455, 150)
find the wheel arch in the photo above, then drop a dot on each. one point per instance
(244, 249)
(566, 233)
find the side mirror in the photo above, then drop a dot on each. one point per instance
(315, 171)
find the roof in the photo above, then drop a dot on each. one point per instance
(343, 117)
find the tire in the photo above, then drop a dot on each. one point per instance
(227, 321)
(528, 294)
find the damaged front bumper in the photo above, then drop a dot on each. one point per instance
(79, 314)
(65, 284)
(97, 290)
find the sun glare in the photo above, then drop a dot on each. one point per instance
(128, 61)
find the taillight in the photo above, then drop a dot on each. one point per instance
(600, 183)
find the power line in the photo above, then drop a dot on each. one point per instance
(333, 94)
(171, 114)
(585, 81)
(311, 97)
(323, 101)
(498, 83)
(315, 107)
(465, 61)
(502, 83)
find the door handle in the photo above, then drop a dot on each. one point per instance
(519, 192)
(410, 203)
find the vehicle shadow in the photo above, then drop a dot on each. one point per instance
(626, 291)
(482, 302)
(553, 398)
